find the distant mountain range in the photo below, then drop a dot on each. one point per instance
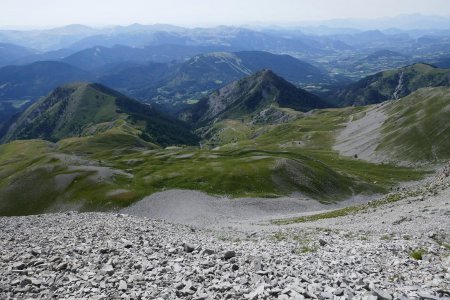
(404, 22)
(81, 37)
(174, 86)
(100, 57)
(309, 39)
(201, 74)
(171, 85)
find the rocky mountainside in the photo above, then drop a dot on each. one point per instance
(391, 84)
(84, 109)
(252, 95)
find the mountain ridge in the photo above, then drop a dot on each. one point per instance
(83, 109)
(390, 84)
(251, 95)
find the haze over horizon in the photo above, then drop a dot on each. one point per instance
(52, 13)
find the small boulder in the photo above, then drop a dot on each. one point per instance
(188, 247)
(61, 266)
(123, 285)
(107, 269)
(18, 266)
(322, 242)
(229, 254)
(208, 252)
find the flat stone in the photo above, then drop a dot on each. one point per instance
(254, 295)
(381, 295)
(426, 296)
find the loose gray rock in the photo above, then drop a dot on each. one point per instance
(188, 248)
(88, 256)
(381, 295)
(123, 285)
(108, 269)
(229, 254)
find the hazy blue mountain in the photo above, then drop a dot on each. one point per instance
(383, 54)
(375, 39)
(37, 79)
(442, 62)
(235, 38)
(98, 57)
(55, 55)
(10, 53)
(404, 22)
(132, 77)
(47, 39)
(290, 68)
(309, 40)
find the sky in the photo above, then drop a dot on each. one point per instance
(45, 13)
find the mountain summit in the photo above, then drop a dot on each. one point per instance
(253, 94)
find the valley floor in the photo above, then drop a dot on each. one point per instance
(398, 250)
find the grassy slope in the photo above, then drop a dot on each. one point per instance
(272, 164)
(84, 109)
(259, 160)
(418, 126)
(89, 106)
(35, 177)
(68, 112)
